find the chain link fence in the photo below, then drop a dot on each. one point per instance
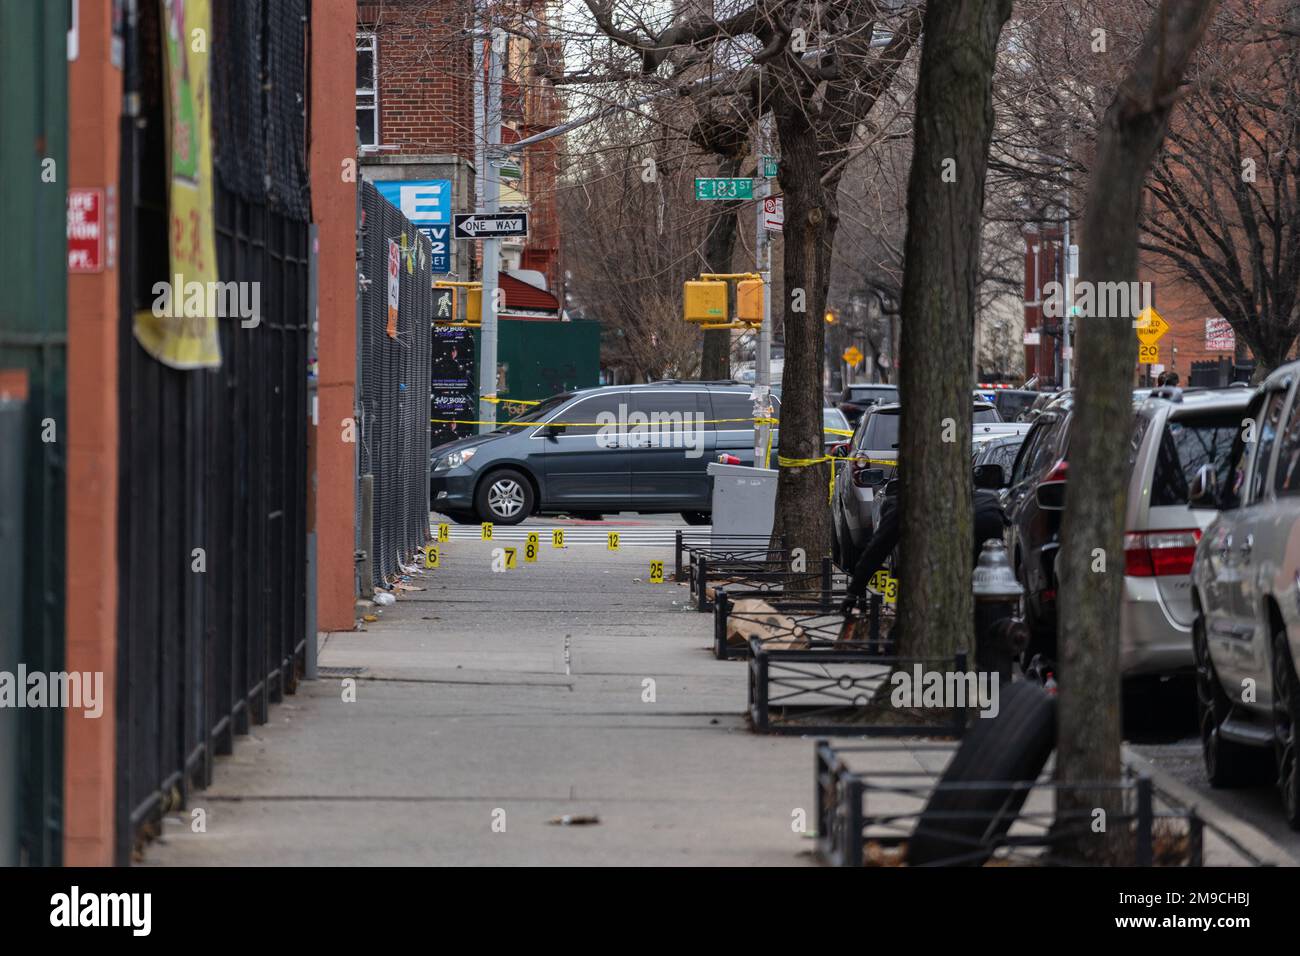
(393, 389)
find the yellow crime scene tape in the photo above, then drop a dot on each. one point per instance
(781, 460)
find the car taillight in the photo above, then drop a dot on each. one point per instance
(1059, 472)
(1158, 553)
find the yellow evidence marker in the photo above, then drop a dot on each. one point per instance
(557, 538)
(431, 557)
(656, 572)
(530, 548)
(487, 530)
(613, 541)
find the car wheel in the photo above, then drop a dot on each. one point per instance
(1227, 763)
(696, 518)
(504, 497)
(1286, 721)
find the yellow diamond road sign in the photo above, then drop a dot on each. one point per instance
(852, 355)
(1150, 327)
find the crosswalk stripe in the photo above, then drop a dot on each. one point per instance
(659, 536)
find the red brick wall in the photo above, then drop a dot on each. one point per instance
(426, 83)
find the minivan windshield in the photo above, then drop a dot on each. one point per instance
(535, 414)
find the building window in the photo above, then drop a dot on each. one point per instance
(368, 89)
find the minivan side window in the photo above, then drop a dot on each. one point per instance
(1287, 478)
(732, 405)
(608, 407)
(667, 413)
(1270, 422)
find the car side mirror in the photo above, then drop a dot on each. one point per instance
(989, 476)
(1204, 490)
(1050, 495)
(840, 450)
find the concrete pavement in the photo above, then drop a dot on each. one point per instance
(490, 703)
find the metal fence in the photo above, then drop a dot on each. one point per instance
(393, 390)
(213, 459)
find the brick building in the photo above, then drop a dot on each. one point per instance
(415, 118)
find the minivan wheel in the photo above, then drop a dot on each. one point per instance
(504, 497)
(1286, 720)
(696, 518)
(1227, 763)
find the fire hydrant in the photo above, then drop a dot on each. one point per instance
(1000, 635)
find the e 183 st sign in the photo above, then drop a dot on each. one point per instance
(721, 188)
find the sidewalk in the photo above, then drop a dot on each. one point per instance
(465, 705)
(518, 696)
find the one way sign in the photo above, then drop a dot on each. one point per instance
(491, 225)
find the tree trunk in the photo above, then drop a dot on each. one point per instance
(954, 122)
(812, 214)
(1090, 565)
(719, 248)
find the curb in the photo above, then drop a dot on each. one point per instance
(1246, 835)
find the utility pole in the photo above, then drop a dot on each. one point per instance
(489, 172)
(1071, 265)
(763, 266)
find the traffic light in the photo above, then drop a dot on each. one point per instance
(474, 306)
(704, 301)
(749, 301)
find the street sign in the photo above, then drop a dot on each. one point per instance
(491, 225)
(1219, 336)
(774, 214)
(852, 355)
(769, 167)
(86, 230)
(719, 188)
(427, 203)
(1150, 327)
(1148, 354)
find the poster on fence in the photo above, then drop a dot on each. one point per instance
(180, 328)
(1219, 336)
(454, 386)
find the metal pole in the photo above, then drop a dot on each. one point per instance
(1066, 357)
(763, 266)
(489, 202)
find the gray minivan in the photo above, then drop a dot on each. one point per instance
(643, 448)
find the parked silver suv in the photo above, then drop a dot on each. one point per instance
(1246, 581)
(1175, 434)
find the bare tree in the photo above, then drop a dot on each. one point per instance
(945, 201)
(1088, 740)
(813, 67)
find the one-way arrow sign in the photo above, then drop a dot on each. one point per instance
(491, 225)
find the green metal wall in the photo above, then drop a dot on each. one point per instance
(543, 358)
(33, 336)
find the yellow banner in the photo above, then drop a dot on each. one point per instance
(180, 330)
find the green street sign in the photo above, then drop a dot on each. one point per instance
(769, 167)
(724, 189)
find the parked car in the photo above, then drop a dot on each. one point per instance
(997, 449)
(873, 459)
(856, 399)
(1010, 402)
(1246, 600)
(1175, 435)
(598, 451)
(1033, 502)
(833, 421)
